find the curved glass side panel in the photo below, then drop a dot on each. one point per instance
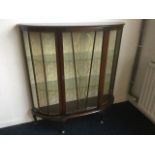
(30, 69)
(41, 58)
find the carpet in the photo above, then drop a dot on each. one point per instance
(121, 119)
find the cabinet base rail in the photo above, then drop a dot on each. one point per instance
(107, 102)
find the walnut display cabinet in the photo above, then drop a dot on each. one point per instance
(71, 68)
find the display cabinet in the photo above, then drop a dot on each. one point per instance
(71, 69)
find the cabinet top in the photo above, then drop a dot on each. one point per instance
(71, 26)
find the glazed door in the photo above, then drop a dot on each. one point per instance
(88, 63)
(82, 58)
(42, 66)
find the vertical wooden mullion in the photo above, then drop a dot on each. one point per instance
(33, 67)
(44, 69)
(60, 71)
(115, 60)
(104, 53)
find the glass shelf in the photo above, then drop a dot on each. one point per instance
(70, 83)
(68, 57)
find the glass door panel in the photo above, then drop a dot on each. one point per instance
(38, 67)
(82, 54)
(49, 50)
(42, 58)
(111, 48)
(30, 69)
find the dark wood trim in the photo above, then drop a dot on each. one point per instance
(115, 60)
(104, 53)
(70, 28)
(60, 71)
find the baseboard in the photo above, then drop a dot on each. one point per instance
(29, 119)
(120, 100)
(15, 122)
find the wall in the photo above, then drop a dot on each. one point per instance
(14, 93)
(147, 55)
(127, 54)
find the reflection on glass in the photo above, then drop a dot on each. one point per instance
(110, 56)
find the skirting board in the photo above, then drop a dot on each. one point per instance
(15, 122)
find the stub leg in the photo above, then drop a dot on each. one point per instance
(35, 118)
